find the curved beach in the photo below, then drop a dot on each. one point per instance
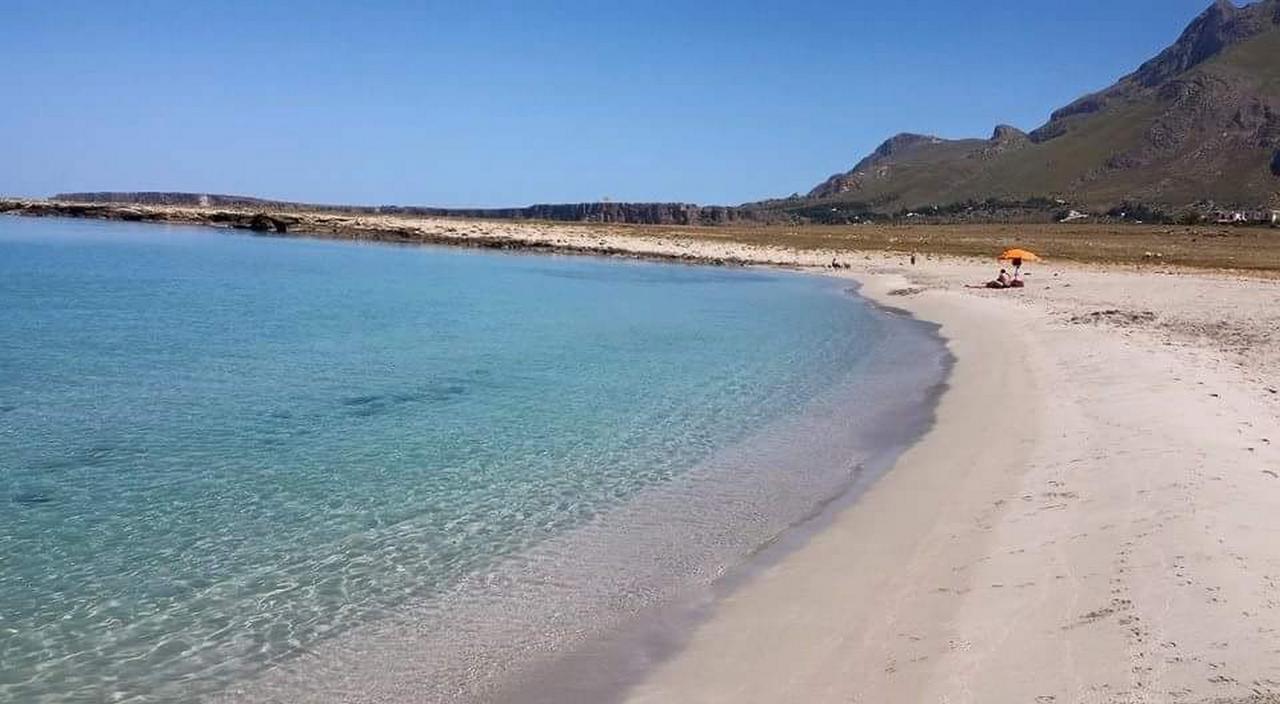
(640, 353)
(1092, 518)
(585, 614)
(535, 460)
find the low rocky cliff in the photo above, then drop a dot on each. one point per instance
(240, 220)
(633, 213)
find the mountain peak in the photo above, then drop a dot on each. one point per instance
(894, 146)
(1221, 25)
(903, 140)
(1007, 133)
(889, 149)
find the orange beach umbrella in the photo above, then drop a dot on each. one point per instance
(1024, 255)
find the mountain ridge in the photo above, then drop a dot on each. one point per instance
(1200, 121)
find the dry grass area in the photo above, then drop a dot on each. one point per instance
(1239, 248)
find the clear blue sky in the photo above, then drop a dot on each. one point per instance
(509, 103)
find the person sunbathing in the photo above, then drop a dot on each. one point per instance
(1001, 281)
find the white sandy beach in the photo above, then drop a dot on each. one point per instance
(1094, 517)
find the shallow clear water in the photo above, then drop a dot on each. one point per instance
(217, 450)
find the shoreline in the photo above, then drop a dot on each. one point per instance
(608, 669)
(773, 455)
(1084, 522)
(1250, 251)
(1112, 538)
(526, 236)
(759, 646)
(1085, 558)
(400, 659)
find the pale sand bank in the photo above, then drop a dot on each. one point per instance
(1094, 518)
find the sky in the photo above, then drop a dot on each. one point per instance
(485, 104)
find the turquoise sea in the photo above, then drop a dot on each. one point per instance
(239, 466)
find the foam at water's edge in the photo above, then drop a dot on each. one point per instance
(582, 615)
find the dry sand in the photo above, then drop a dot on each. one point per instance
(1095, 516)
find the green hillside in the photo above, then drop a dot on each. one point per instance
(1198, 123)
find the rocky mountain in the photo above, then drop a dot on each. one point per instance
(1199, 122)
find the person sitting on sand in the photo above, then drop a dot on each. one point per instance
(1002, 281)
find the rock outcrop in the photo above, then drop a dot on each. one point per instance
(262, 222)
(1218, 27)
(1008, 133)
(890, 149)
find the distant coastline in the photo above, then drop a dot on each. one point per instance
(394, 228)
(597, 212)
(1211, 246)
